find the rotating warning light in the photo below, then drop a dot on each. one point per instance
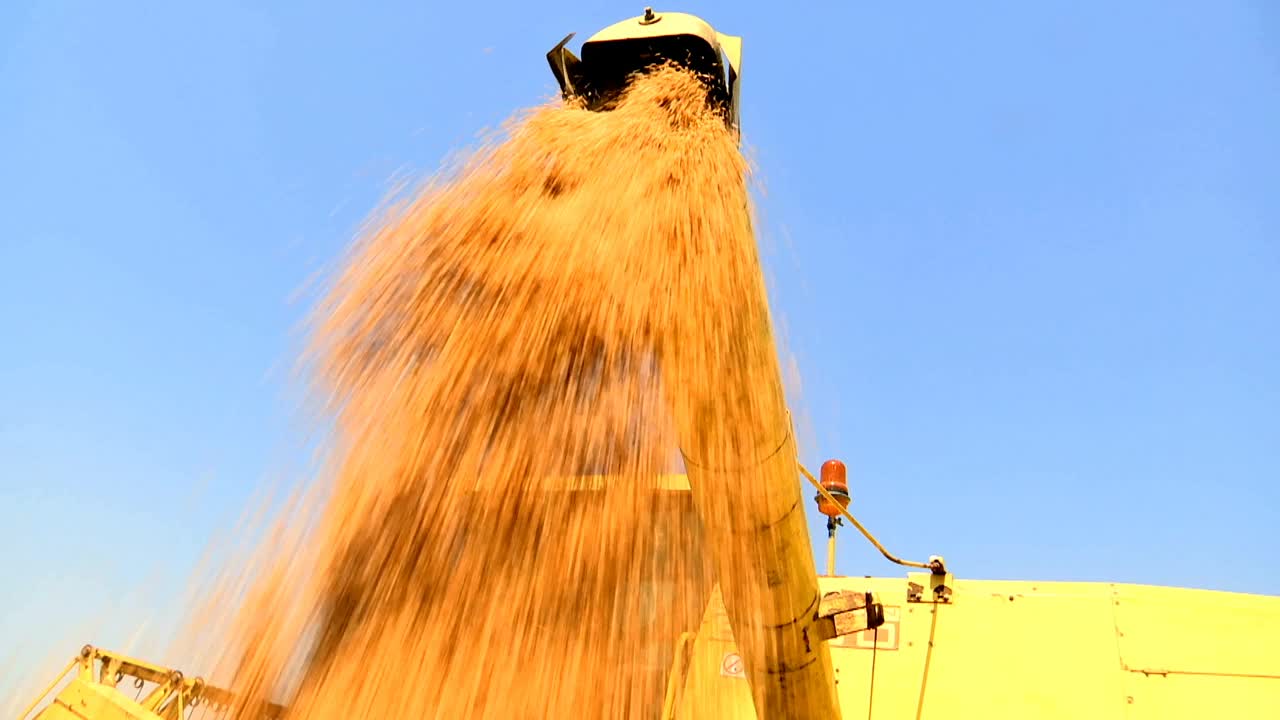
(834, 481)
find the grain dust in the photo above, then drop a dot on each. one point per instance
(535, 320)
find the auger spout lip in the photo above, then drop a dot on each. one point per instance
(611, 57)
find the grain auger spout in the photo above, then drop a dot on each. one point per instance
(612, 56)
(736, 435)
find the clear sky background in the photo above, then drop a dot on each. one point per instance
(1028, 259)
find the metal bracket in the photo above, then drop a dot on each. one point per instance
(846, 612)
(932, 587)
(564, 65)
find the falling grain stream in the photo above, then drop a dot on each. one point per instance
(570, 302)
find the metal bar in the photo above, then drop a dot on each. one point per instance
(156, 697)
(676, 678)
(934, 566)
(139, 668)
(50, 688)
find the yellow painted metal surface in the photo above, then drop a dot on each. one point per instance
(1032, 650)
(716, 680)
(1221, 658)
(86, 700)
(159, 693)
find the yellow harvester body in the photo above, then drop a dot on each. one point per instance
(1017, 650)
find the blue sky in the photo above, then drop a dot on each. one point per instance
(1026, 255)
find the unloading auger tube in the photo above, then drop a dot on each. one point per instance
(760, 543)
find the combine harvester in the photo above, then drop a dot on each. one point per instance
(825, 647)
